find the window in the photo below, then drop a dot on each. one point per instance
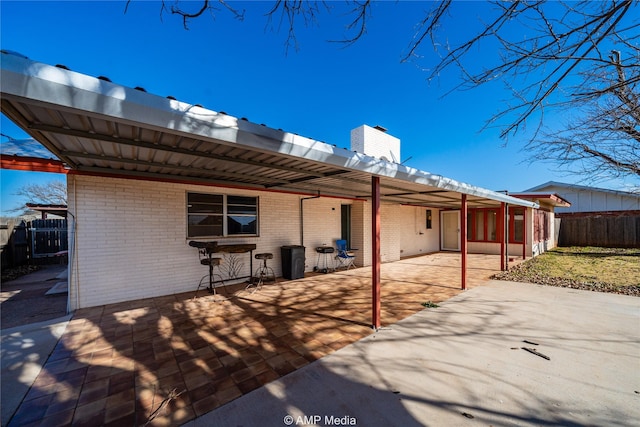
(478, 226)
(541, 226)
(516, 225)
(482, 225)
(217, 215)
(428, 224)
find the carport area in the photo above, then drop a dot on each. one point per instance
(174, 358)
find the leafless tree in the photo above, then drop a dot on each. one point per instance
(600, 137)
(575, 74)
(52, 193)
(575, 60)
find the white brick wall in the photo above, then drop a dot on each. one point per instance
(375, 143)
(390, 226)
(131, 235)
(415, 238)
(321, 226)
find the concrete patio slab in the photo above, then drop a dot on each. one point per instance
(464, 364)
(23, 351)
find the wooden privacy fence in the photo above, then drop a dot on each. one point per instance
(607, 230)
(37, 242)
(48, 237)
(14, 243)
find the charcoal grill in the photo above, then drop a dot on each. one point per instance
(324, 262)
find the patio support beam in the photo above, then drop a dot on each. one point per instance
(506, 235)
(375, 252)
(463, 240)
(524, 233)
(502, 235)
(33, 164)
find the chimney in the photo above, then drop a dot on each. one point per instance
(375, 142)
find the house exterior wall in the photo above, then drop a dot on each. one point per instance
(321, 227)
(594, 201)
(390, 232)
(415, 238)
(534, 246)
(361, 233)
(130, 236)
(538, 245)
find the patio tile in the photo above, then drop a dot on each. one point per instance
(206, 404)
(93, 391)
(249, 385)
(228, 394)
(117, 364)
(64, 406)
(30, 411)
(90, 414)
(59, 419)
(119, 409)
(201, 392)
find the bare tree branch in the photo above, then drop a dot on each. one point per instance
(289, 11)
(52, 193)
(361, 11)
(579, 60)
(205, 5)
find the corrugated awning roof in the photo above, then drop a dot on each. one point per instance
(96, 126)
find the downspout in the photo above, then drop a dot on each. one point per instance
(302, 216)
(73, 259)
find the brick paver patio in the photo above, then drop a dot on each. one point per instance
(166, 360)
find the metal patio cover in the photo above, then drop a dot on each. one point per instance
(97, 127)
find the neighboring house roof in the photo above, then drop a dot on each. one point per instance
(555, 184)
(60, 210)
(591, 199)
(550, 198)
(97, 127)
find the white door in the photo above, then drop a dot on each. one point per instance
(450, 230)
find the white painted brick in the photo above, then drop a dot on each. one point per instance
(375, 143)
(131, 235)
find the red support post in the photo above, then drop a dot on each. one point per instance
(375, 249)
(524, 233)
(501, 227)
(506, 236)
(463, 240)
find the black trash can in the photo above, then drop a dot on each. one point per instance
(292, 261)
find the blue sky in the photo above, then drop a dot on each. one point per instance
(322, 90)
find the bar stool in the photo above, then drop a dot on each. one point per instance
(212, 263)
(264, 272)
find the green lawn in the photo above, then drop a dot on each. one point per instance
(598, 269)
